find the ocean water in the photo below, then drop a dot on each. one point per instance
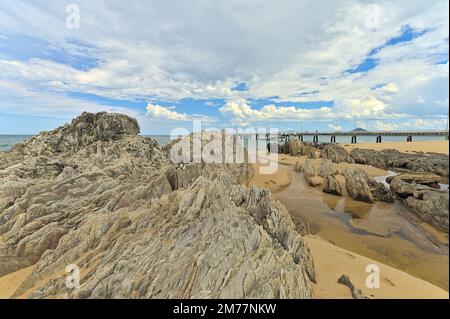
(7, 141)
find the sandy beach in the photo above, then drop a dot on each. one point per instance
(275, 182)
(12, 281)
(407, 147)
(331, 262)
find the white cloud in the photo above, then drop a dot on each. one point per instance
(413, 124)
(161, 51)
(161, 112)
(242, 111)
(169, 113)
(335, 127)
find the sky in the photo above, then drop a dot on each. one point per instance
(289, 65)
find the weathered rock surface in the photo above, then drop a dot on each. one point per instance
(309, 172)
(330, 184)
(380, 192)
(356, 183)
(95, 194)
(427, 179)
(431, 205)
(327, 168)
(356, 293)
(393, 159)
(336, 154)
(297, 148)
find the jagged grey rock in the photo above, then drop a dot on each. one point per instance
(328, 172)
(95, 194)
(392, 159)
(431, 205)
(427, 179)
(327, 168)
(297, 148)
(380, 192)
(309, 172)
(356, 184)
(356, 293)
(332, 185)
(336, 154)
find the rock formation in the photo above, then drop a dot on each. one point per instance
(431, 205)
(356, 293)
(380, 192)
(427, 179)
(309, 172)
(330, 184)
(95, 194)
(336, 154)
(393, 159)
(296, 148)
(356, 183)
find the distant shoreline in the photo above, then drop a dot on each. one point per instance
(8, 140)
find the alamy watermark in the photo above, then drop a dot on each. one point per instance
(73, 276)
(73, 16)
(373, 279)
(229, 146)
(373, 17)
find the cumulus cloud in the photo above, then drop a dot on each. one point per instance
(169, 113)
(301, 53)
(335, 127)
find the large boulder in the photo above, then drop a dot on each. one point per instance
(431, 205)
(328, 172)
(332, 185)
(295, 147)
(309, 172)
(380, 192)
(356, 183)
(336, 154)
(327, 168)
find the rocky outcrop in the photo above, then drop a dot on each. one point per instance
(330, 184)
(380, 192)
(427, 179)
(356, 183)
(296, 148)
(431, 205)
(327, 168)
(393, 159)
(309, 172)
(336, 153)
(96, 195)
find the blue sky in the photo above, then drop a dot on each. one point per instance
(282, 65)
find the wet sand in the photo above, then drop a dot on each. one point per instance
(387, 233)
(407, 147)
(331, 262)
(275, 182)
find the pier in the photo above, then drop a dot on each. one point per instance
(353, 135)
